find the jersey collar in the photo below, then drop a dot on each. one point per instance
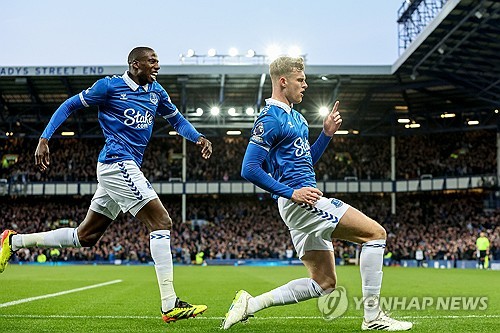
(284, 106)
(134, 86)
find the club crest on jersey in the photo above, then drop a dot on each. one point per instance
(153, 98)
(137, 119)
(337, 203)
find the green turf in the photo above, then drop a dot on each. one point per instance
(133, 305)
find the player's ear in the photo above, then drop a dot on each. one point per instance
(283, 81)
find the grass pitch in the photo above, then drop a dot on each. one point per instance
(133, 304)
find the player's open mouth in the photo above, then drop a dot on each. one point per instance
(153, 76)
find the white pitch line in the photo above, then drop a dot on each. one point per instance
(31, 299)
(220, 318)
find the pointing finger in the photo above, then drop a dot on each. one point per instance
(335, 107)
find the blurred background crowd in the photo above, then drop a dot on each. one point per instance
(443, 155)
(442, 225)
(246, 227)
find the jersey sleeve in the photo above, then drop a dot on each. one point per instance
(319, 146)
(251, 170)
(265, 131)
(96, 94)
(166, 108)
(184, 127)
(62, 113)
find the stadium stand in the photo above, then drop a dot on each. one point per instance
(247, 228)
(444, 155)
(433, 114)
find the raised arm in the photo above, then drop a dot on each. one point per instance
(187, 130)
(42, 156)
(331, 124)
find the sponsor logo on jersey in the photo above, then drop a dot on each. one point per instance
(137, 119)
(123, 97)
(153, 98)
(302, 147)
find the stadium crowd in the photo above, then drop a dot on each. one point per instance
(452, 154)
(444, 227)
(246, 227)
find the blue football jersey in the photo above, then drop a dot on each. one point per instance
(284, 133)
(127, 113)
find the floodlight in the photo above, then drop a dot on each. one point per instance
(214, 111)
(323, 111)
(273, 52)
(294, 51)
(233, 52)
(211, 52)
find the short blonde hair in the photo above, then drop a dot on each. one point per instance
(283, 66)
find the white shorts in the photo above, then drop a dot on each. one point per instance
(122, 186)
(311, 227)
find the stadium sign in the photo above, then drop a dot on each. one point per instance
(61, 70)
(16, 71)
